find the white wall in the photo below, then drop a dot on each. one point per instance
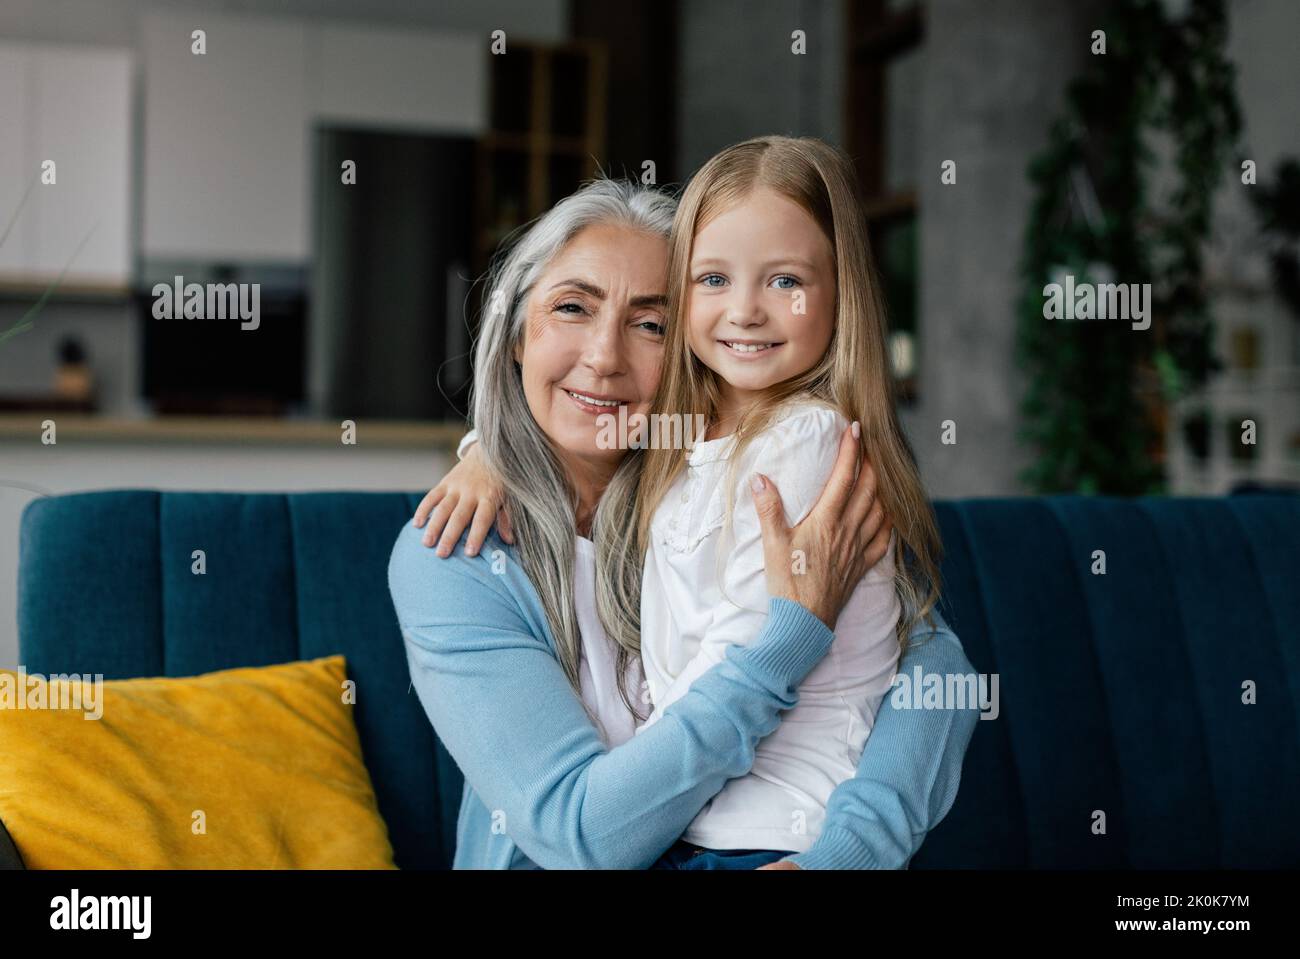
(117, 22)
(227, 133)
(387, 78)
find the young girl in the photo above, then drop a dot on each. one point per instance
(775, 334)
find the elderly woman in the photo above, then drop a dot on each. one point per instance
(505, 644)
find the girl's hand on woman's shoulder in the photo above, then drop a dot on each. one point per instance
(468, 496)
(842, 537)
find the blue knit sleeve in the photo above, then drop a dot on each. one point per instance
(909, 772)
(499, 701)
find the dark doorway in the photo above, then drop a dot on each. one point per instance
(392, 261)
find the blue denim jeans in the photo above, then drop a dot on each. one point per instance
(685, 855)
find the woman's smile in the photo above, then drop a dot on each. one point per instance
(593, 403)
(594, 340)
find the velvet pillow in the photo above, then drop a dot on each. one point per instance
(253, 768)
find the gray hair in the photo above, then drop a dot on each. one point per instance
(537, 492)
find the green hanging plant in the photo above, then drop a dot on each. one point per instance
(1095, 388)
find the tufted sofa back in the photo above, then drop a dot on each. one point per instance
(1120, 693)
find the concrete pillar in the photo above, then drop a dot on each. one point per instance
(994, 78)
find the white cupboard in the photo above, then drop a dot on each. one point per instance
(225, 138)
(65, 116)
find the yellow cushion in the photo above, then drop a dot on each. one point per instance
(256, 768)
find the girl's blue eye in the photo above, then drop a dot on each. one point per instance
(785, 282)
(708, 279)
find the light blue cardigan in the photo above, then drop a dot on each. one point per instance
(541, 788)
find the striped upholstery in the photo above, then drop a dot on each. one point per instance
(1120, 693)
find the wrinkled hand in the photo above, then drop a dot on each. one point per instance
(844, 535)
(467, 496)
(781, 864)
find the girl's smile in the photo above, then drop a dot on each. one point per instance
(761, 308)
(749, 349)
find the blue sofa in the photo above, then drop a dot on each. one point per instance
(1119, 692)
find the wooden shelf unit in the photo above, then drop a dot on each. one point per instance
(546, 134)
(875, 37)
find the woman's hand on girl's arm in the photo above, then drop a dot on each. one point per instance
(879, 818)
(910, 769)
(843, 536)
(758, 564)
(467, 496)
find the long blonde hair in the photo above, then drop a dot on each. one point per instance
(853, 377)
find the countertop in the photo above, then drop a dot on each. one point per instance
(236, 431)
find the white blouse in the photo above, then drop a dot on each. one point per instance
(597, 673)
(704, 587)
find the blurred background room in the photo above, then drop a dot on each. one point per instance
(360, 160)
